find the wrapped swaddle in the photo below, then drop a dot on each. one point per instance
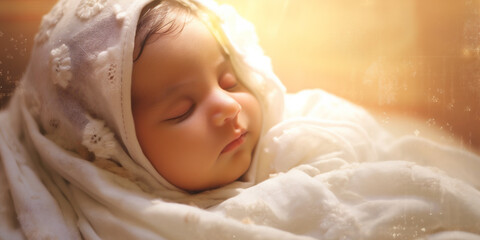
(72, 167)
(68, 138)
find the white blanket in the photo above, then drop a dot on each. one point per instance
(336, 177)
(71, 166)
(352, 181)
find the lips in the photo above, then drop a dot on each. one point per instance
(235, 143)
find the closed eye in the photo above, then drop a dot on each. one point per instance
(228, 81)
(181, 113)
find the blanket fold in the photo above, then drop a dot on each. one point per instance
(71, 166)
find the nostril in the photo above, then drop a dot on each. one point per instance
(227, 114)
(234, 115)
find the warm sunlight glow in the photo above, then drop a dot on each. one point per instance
(416, 57)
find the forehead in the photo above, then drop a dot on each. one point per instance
(172, 57)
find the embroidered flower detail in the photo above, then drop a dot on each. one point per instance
(54, 130)
(119, 13)
(106, 68)
(98, 138)
(61, 66)
(111, 74)
(49, 21)
(89, 8)
(54, 123)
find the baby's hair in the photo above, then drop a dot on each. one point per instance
(159, 18)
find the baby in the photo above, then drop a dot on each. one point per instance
(196, 122)
(164, 120)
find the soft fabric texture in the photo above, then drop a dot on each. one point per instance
(71, 166)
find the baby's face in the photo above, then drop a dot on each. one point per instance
(196, 123)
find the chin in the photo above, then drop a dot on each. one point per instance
(244, 165)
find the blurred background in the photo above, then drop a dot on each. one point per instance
(415, 59)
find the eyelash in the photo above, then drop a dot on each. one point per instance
(234, 86)
(184, 116)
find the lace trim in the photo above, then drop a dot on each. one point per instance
(111, 74)
(120, 15)
(106, 68)
(61, 66)
(99, 139)
(89, 8)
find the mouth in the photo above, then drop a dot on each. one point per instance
(235, 143)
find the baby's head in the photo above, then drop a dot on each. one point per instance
(195, 120)
(159, 88)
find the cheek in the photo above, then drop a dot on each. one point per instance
(171, 143)
(253, 110)
(179, 145)
(167, 153)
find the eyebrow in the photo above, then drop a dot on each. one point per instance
(173, 88)
(170, 90)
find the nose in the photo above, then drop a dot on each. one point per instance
(225, 108)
